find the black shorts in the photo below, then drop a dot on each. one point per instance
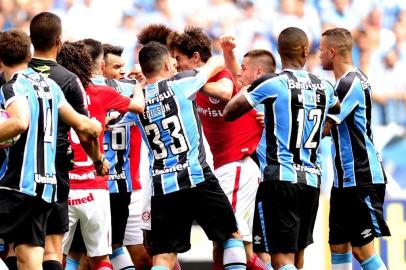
(172, 216)
(23, 218)
(356, 215)
(284, 217)
(119, 203)
(58, 221)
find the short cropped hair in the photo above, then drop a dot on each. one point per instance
(14, 47)
(339, 38)
(151, 57)
(45, 28)
(74, 57)
(93, 47)
(111, 49)
(291, 42)
(192, 40)
(265, 57)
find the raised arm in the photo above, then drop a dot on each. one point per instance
(228, 45)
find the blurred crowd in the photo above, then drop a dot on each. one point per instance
(378, 27)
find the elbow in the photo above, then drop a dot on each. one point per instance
(136, 107)
(226, 96)
(228, 115)
(21, 126)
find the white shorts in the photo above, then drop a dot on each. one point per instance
(146, 207)
(133, 233)
(92, 208)
(239, 181)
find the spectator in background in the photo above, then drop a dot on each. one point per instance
(341, 14)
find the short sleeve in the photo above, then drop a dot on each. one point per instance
(188, 83)
(14, 89)
(332, 97)
(114, 100)
(262, 89)
(128, 118)
(349, 93)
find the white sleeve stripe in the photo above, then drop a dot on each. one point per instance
(249, 99)
(63, 102)
(11, 100)
(335, 118)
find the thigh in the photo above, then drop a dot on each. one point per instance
(170, 223)
(212, 210)
(284, 216)
(95, 221)
(262, 221)
(340, 212)
(133, 232)
(119, 207)
(308, 209)
(58, 220)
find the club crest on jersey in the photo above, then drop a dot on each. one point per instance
(214, 100)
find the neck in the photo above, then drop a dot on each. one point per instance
(96, 73)
(297, 65)
(341, 67)
(49, 55)
(158, 77)
(10, 71)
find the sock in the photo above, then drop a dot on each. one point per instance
(51, 265)
(71, 264)
(103, 266)
(256, 264)
(121, 260)
(288, 267)
(269, 265)
(341, 261)
(234, 255)
(177, 266)
(158, 267)
(11, 263)
(373, 263)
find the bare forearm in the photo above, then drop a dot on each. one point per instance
(231, 63)
(137, 103)
(91, 147)
(11, 128)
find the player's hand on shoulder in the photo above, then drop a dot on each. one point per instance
(227, 43)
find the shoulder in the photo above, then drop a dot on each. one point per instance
(184, 74)
(345, 84)
(265, 79)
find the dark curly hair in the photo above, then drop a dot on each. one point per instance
(192, 40)
(74, 57)
(156, 32)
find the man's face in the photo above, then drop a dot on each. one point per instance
(183, 61)
(326, 58)
(114, 67)
(248, 72)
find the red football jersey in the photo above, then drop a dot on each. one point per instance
(100, 100)
(229, 141)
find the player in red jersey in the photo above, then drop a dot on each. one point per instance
(255, 64)
(231, 143)
(89, 197)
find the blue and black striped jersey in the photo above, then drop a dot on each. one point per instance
(296, 104)
(171, 128)
(117, 142)
(357, 162)
(31, 160)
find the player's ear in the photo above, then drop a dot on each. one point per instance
(196, 57)
(305, 52)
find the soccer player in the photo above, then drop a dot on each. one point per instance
(184, 188)
(296, 104)
(114, 64)
(255, 64)
(45, 33)
(230, 144)
(122, 146)
(357, 196)
(89, 199)
(28, 186)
